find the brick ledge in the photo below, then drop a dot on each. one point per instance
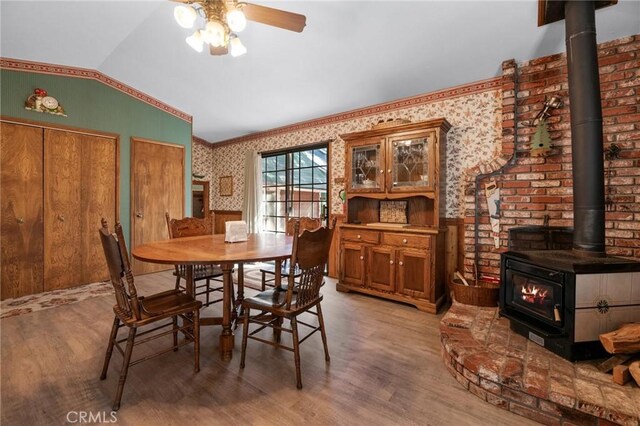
(510, 372)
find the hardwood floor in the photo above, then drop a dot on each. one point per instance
(385, 369)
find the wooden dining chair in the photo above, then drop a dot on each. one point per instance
(269, 272)
(192, 227)
(135, 312)
(310, 253)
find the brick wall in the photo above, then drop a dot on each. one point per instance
(532, 188)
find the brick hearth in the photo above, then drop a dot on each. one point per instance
(515, 374)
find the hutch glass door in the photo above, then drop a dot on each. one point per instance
(366, 164)
(410, 163)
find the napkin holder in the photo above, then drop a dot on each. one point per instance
(235, 231)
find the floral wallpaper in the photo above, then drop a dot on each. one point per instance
(202, 159)
(474, 138)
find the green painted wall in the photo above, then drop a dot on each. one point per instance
(93, 105)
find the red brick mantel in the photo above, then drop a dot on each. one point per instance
(513, 373)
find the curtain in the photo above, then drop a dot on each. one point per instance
(252, 202)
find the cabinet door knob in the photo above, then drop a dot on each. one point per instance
(381, 171)
(389, 171)
(61, 217)
(401, 263)
(359, 236)
(391, 262)
(404, 241)
(361, 257)
(140, 215)
(20, 220)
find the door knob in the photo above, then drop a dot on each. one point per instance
(391, 262)
(359, 236)
(389, 171)
(61, 217)
(404, 241)
(361, 257)
(140, 215)
(401, 263)
(381, 170)
(20, 220)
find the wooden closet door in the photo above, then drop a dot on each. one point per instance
(97, 200)
(21, 154)
(157, 179)
(62, 223)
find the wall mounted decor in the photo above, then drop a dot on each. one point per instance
(226, 186)
(40, 101)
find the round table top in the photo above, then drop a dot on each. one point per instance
(213, 249)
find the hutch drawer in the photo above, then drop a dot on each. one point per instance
(361, 235)
(407, 240)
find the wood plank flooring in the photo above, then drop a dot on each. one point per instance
(385, 369)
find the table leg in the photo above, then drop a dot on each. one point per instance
(278, 279)
(226, 338)
(191, 288)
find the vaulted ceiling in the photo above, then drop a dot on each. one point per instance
(351, 54)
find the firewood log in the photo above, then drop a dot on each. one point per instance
(624, 340)
(621, 374)
(634, 369)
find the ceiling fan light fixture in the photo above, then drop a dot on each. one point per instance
(185, 16)
(215, 34)
(219, 22)
(236, 20)
(236, 48)
(196, 41)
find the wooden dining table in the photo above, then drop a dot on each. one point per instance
(213, 250)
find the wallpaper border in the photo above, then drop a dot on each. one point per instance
(44, 68)
(451, 92)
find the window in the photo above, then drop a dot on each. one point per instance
(295, 184)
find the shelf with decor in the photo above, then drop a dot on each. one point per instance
(392, 243)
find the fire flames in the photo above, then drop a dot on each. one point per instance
(534, 294)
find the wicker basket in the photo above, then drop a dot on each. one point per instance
(484, 294)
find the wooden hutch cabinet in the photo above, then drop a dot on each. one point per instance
(392, 244)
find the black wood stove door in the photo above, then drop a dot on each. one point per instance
(535, 291)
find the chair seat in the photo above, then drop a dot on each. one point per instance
(268, 299)
(274, 300)
(163, 305)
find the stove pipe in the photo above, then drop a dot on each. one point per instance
(586, 128)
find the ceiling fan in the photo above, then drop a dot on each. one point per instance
(225, 18)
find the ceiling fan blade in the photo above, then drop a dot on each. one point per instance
(275, 17)
(218, 51)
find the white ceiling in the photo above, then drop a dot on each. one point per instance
(351, 54)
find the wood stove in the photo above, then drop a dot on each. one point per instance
(563, 301)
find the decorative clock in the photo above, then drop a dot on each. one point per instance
(40, 101)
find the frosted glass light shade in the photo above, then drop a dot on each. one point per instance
(215, 34)
(236, 48)
(185, 16)
(196, 41)
(236, 20)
